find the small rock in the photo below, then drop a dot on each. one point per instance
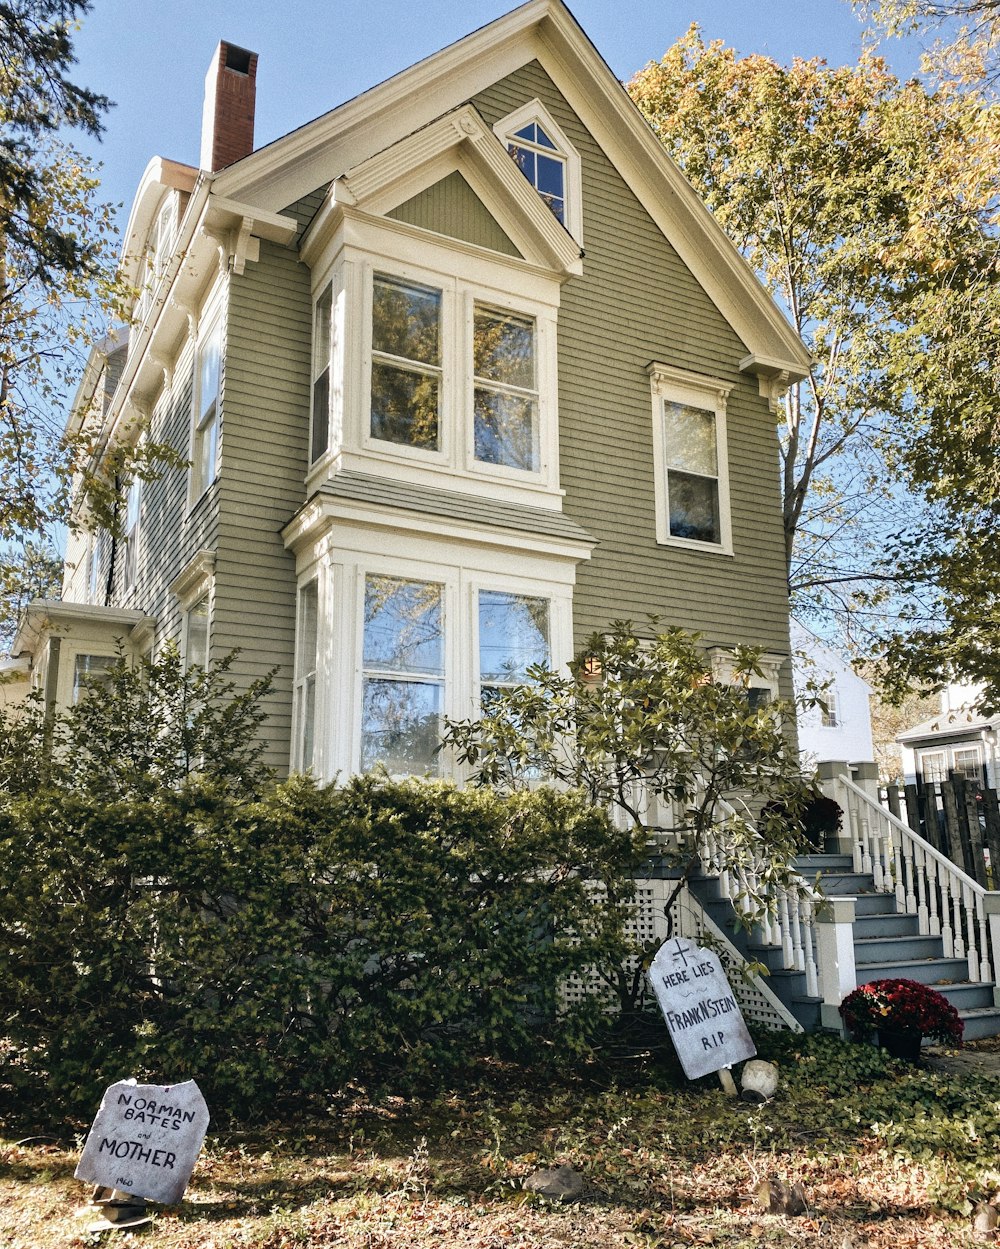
(556, 1183)
(779, 1197)
(759, 1080)
(985, 1221)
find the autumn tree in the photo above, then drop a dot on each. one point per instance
(58, 282)
(867, 207)
(967, 43)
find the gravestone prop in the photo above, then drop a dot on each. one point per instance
(144, 1143)
(700, 1009)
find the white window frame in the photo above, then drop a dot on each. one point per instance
(535, 111)
(829, 712)
(206, 427)
(133, 518)
(306, 677)
(708, 394)
(456, 449)
(465, 278)
(322, 362)
(924, 756)
(194, 584)
(462, 574)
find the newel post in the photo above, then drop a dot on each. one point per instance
(831, 779)
(991, 909)
(835, 956)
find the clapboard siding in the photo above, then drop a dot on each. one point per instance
(452, 207)
(636, 302)
(266, 423)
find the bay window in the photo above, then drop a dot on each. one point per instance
(322, 326)
(406, 363)
(403, 675)
(505, 389)
(306, 659)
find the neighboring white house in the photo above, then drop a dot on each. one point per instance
(840, 729)
(959, 740)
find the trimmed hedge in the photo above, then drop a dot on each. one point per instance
(380, 931)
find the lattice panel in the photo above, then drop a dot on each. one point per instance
(648, 924)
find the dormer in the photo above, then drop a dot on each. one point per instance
(152, 229)
(437, 270)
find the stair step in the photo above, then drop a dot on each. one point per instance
(874, 904)
(973, 995)
(846, 883)
(824, 863)
(898, 949)
(872, 927)
(984, 1022)
(939, 973)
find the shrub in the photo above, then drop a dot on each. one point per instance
(379, 931)
(901, 1006)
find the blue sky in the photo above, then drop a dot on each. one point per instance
(151, 56)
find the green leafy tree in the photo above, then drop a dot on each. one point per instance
(868, 207)
(28, 570)
(140, 731)
(695, 766)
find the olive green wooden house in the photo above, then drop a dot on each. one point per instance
(460, 372)
(463, 369)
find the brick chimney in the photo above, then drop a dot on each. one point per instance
(230, 96)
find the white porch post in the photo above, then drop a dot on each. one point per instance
(991, 907)
(831, 779)
(837, 971)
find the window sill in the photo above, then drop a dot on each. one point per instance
(695, 547)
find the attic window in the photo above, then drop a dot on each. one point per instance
(540, 162)
(547, 159)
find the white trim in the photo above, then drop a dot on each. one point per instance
(542, 30)
(535, 111)
(363, 246)
(708, 394)
(346, 553)
(194, 578)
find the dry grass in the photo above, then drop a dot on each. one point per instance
(663, 1168)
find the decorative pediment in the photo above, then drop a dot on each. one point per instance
(460, 141)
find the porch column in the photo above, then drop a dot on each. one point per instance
(835, 956)
(831, 779)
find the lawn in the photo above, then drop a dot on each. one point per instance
(888, 1155)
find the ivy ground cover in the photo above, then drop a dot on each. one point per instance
(888, 1155)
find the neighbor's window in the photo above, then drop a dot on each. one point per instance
(322, 342)
(305, 674)
(403, 675)
(513, 636)
(506, 389)
(90, 672)
(196, 622)
(406, 363)
(934, 767)
(829, 712)
(969, 763)
(205, 437)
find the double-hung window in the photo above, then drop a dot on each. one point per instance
(196, 632)
(133, 505)
(513, 637)
(406, 363)
(690, 459)
(505, 380)
(306, 658)
(403, 674)
(205, 432)
(322, 343)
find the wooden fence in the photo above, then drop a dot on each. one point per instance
(961, 818)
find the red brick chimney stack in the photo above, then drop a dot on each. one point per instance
(230, 97)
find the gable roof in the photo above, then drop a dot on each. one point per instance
(545, 31)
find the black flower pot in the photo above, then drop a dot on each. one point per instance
(900, 1043)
